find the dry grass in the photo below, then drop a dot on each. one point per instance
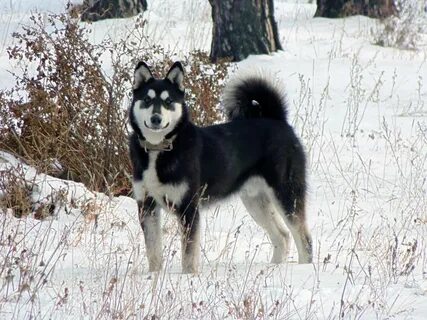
(402, 29)
(15, 194)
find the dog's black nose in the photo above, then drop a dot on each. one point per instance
(156, 119)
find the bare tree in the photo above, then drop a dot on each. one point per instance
(344, 8)
(94, 10)
(243, 27)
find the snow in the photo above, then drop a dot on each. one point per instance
(361, 112)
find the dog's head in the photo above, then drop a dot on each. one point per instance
(158, 104)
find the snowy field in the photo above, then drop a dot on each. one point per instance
(361, 112)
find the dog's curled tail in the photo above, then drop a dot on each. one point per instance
(254, 96)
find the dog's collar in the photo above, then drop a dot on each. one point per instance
(165, 145)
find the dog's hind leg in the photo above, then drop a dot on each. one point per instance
(263, 212)
(150, 219)
(296, 222)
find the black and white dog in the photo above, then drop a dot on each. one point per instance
(178, 165)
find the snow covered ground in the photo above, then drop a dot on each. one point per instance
(361, 111)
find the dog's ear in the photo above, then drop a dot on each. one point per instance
(142, 75)
(176, 75)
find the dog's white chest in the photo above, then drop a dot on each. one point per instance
(171, 192)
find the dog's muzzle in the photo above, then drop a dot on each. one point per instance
(155, 123)
(156, 120)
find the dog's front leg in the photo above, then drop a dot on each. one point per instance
(190, 239)
(150, 219)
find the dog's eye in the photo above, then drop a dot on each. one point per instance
(147, 100)
(168, 101)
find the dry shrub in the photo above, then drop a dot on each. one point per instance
(68, 118)
(402, 257)
(403, 29)
(15, 194)
(205, 82)
(22, 198)
(381, 9)
(66, 110)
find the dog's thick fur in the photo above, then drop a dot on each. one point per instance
(178, 165)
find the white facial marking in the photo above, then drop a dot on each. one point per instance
(138, 104)
(164, 95)
(169, 120)
(151, 93)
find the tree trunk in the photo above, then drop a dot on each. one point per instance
(94, 10)
(243, 27)
(344, 8)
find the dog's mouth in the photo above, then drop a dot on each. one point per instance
(156, 128)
